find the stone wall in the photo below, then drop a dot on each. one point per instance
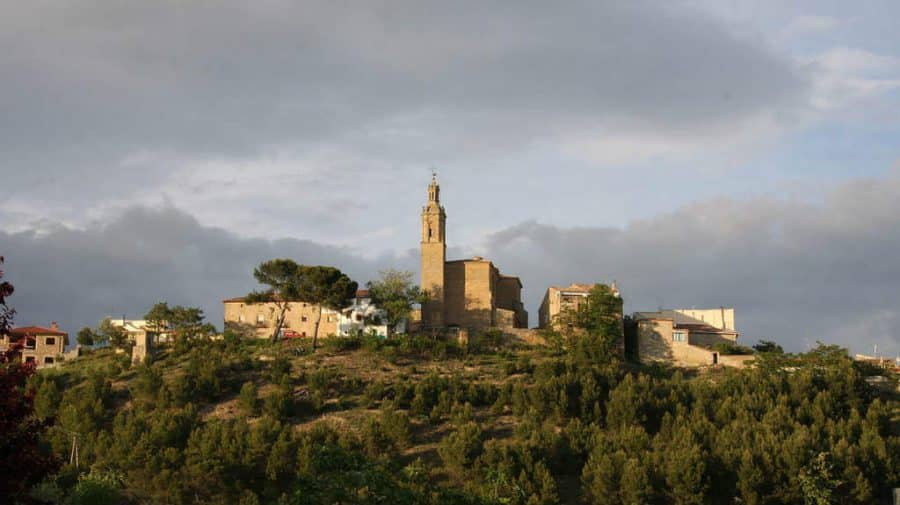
(300, 318)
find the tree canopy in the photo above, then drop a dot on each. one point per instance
(288, 281)
(396, 293)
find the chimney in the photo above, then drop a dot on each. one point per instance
(54, 326)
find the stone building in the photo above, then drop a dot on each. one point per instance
(685, 337)
(299, 321)
(558, 300)
(41, 346)
(468, 293)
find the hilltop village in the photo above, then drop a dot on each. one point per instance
(463, 297)
(438, 390)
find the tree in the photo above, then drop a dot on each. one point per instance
(601, 314)
(85, 336)
(6, 313)
(323, 286)
(768, 346)
(158, 317)
(283, 278)
(189, 322)
(184, 322)
(396, 293)
(22, 463)
(108, 332)
(326, 287)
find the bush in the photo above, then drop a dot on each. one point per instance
(459, 449)
(248, 399)
(279, 405)
(729, 349)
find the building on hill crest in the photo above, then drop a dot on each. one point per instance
(558, 300)
(470, 293)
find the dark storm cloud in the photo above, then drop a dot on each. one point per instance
(77, 277)
(87, 83)
(795, 272)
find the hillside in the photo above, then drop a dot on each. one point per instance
(420, 420)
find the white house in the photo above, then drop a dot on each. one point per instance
(139, 329)
(362, 315)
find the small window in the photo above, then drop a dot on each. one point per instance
(48, 360)
(303, 319)
(359, 317)
(679, 336)
(29, 359)
(51, 341)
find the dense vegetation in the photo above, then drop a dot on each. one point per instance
(421, 420)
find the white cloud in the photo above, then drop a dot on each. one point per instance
(846, 76)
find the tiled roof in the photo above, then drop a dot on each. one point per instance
(701, 327)
(25, 331)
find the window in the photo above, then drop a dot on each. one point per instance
(29, 359)
(260, 320)
(51, 341)
(29, 343)
(48, 360)
(679, 336)
(359, 317)
(303, 319)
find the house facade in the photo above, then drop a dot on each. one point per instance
(261, 318)
(41, 346)
(684, 337)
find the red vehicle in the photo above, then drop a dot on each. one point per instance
(291, 334)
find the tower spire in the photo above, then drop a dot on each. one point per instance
(434, 190)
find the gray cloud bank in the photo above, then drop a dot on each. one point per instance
(90, 85)
(796, 272)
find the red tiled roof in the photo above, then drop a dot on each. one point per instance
(362, 293)
(26, 331)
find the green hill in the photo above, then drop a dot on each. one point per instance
(420, 420)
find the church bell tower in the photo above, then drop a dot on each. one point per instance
(434, 255)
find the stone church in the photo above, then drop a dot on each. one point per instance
(469, 293)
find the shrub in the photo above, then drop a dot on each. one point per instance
(460, 448)
(278, 405)
(248, 399)
(729, 349)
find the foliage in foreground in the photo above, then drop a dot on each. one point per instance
(527, 427)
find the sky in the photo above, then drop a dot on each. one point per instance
(700, 153)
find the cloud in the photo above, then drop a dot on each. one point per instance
(108, 104)
(847, 76)
(809, 24)
(144, 255)
(796, 272)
